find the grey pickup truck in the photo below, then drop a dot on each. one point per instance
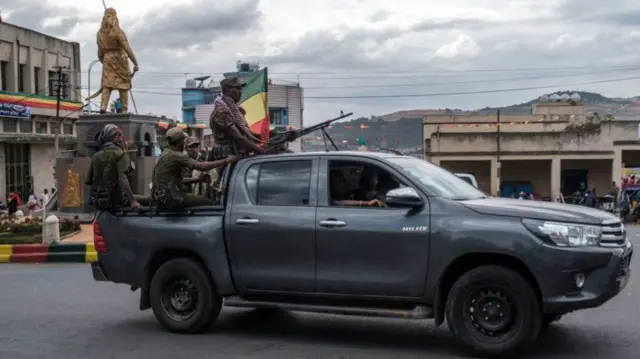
(297, 232)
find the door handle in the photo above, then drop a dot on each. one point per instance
(247, 221)
(332, 223)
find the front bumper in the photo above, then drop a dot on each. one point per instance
(606, 271)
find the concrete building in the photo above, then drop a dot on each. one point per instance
(552, 150)
(28, 125)
(286, 102)
(197, 93)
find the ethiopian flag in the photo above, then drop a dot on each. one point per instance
(255, 102)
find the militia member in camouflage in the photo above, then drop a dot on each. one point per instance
(168, 188)
(193, 151)
(231, 132)
(110, 188)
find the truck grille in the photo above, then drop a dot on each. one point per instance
(613, 234)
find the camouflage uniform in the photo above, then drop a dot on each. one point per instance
(169, 190)
(106, 166)
(187, 172)
(221, 119)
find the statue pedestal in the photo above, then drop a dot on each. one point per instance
(71, 170)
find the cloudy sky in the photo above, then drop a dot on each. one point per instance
(366, 56)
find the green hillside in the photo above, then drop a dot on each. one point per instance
(403, 129)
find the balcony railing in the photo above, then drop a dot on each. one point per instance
(284, 83)
(206, 101)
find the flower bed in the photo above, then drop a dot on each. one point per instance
(16, 230)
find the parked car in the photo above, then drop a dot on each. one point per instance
(469, 178)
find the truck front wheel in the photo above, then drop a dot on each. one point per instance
(494, 311)
(183, 297)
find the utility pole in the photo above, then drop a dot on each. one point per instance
(61, 85)
(498, 164)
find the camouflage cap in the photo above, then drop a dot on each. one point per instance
(175, 135)
(191, 141)
(231, 82)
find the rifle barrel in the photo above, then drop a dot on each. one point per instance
(306, 130)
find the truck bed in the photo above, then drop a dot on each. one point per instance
(132, 239)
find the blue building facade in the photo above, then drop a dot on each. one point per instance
(192, 97)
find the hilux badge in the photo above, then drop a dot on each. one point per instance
(415, 229)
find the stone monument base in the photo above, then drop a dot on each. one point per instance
(72, 167)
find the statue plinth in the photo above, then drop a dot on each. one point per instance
(71, 171)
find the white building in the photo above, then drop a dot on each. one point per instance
(28, 73)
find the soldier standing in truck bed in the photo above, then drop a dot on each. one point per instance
(230, 130)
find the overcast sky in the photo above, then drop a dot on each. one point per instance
(357, 48)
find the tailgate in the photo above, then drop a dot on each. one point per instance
(115, 242)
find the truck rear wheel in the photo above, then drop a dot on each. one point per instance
(494, 311)
(183, 297)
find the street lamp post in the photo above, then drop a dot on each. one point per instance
(89, 80)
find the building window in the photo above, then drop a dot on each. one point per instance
(53, 78)
(275, 117)
(10, 125)
(278, 117)
(21, 78)
(25, 126)
(4, 83)
(41, 127)
(36, 80)
(67, 129)
(17, 168)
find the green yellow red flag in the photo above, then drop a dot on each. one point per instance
(255, 102)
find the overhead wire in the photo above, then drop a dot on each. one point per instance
(436, 94)
(426, 84)
(369, 72)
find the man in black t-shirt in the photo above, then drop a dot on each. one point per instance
(339, 193)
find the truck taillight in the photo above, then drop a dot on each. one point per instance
(98, 240)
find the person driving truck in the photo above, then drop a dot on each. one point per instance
(339, 193)
(168, 189)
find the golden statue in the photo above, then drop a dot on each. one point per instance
(114, 53)
(71, 195)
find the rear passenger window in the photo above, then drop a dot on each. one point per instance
(286, 183)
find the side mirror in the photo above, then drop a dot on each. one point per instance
(403, 197)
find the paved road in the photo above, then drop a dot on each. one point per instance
(59, 312)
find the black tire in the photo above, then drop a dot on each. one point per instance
(480, 285)
(184, 272)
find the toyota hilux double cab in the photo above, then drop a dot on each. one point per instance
(498, 271)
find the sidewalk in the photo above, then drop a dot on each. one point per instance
(85, 235)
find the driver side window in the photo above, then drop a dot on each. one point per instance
(359, 184)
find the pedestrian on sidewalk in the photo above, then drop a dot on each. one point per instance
(45, 197)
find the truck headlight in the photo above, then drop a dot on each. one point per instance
(564, 234)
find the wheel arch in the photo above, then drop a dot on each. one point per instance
(161, 257)
(469, 261)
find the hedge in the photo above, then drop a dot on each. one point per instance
(29, 230)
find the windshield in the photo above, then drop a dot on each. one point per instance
(437, 181)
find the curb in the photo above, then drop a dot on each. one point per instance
(45, 253)
(70, 235)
